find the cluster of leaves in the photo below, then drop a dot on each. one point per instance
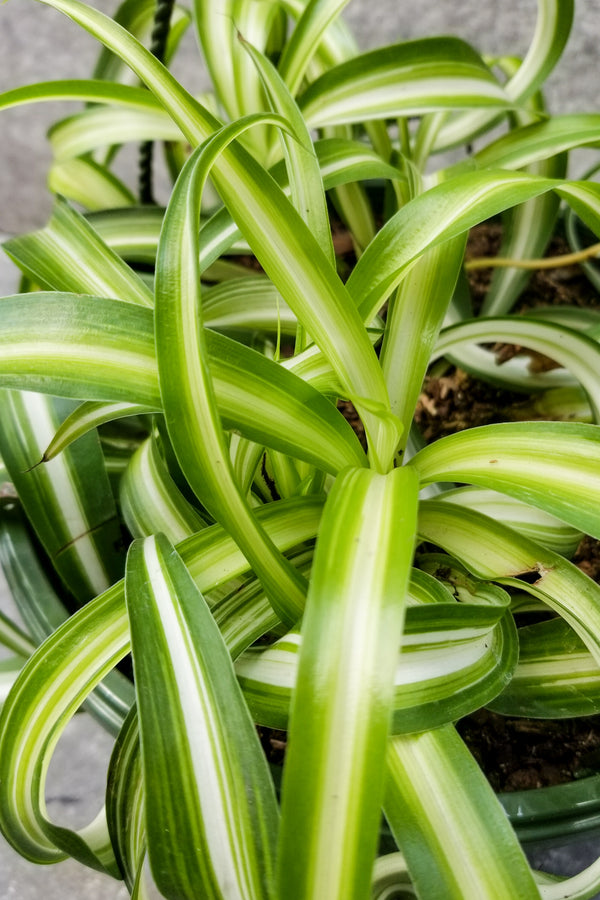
(277, 573)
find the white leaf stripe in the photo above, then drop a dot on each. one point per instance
(204, 739)
(551, 465)
(339, 721)
(466, 848)
(407, 79)
(207, 795)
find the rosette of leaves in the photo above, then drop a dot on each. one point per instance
(188, 492)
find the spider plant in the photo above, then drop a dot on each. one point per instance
(187, 491)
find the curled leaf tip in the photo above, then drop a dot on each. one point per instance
(44, 459)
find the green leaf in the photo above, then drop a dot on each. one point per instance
(455, 656)
(281, 241)
(43, 611)
(454, 834)
(137, 16)
(552, 29)
(186, 384)
(235, 80)
(411, 328)
(527, 230)
(125, 800)
(305, 38)
(550, 465)
(489, 549)
(556, 335)
(304, 176)
(92, 348)
(534, 523)
(557, 677)
(103, 127)
(132, 232)
(68, 255)
(406, 79)
(211, 812)
(60, 675)
(333, 779)
(442, 212)
(88, 183)
(36, 711)
(243, 306)
(152, 502)
(69, 500)
(85, 418)
(87, 90)
(525, 145)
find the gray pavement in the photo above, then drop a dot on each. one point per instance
(37, 43)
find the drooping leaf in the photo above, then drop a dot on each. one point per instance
(211, 813)
(551, 465)
(448, 823)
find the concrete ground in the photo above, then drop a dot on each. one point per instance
(36, 43)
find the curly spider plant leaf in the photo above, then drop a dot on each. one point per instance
(406, 79)
(186, 385)
(491, 550)
(306, 38)
(43, 611)
(304, 175)
(107, 126)
(530, 521)
(68, 501)
(137, 16)
(411, 329)
(125, 800)
(89, 184)
(577, 352)
(527, 230)
(444, 211)
(86, 417)
(550, 465)
(152, 502)
(234, 78)
(557, 677)
(68, 255)
(552, 28)
(455, 657)
(447, 821)
(540, 140)
(333, 779)
(64, 670)
(83, 348)
(211, 815)
(133, 233)
(88, 90)
(277, 235)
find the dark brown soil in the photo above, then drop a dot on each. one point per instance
(565, 285)
(517, 754)
(455, 401)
